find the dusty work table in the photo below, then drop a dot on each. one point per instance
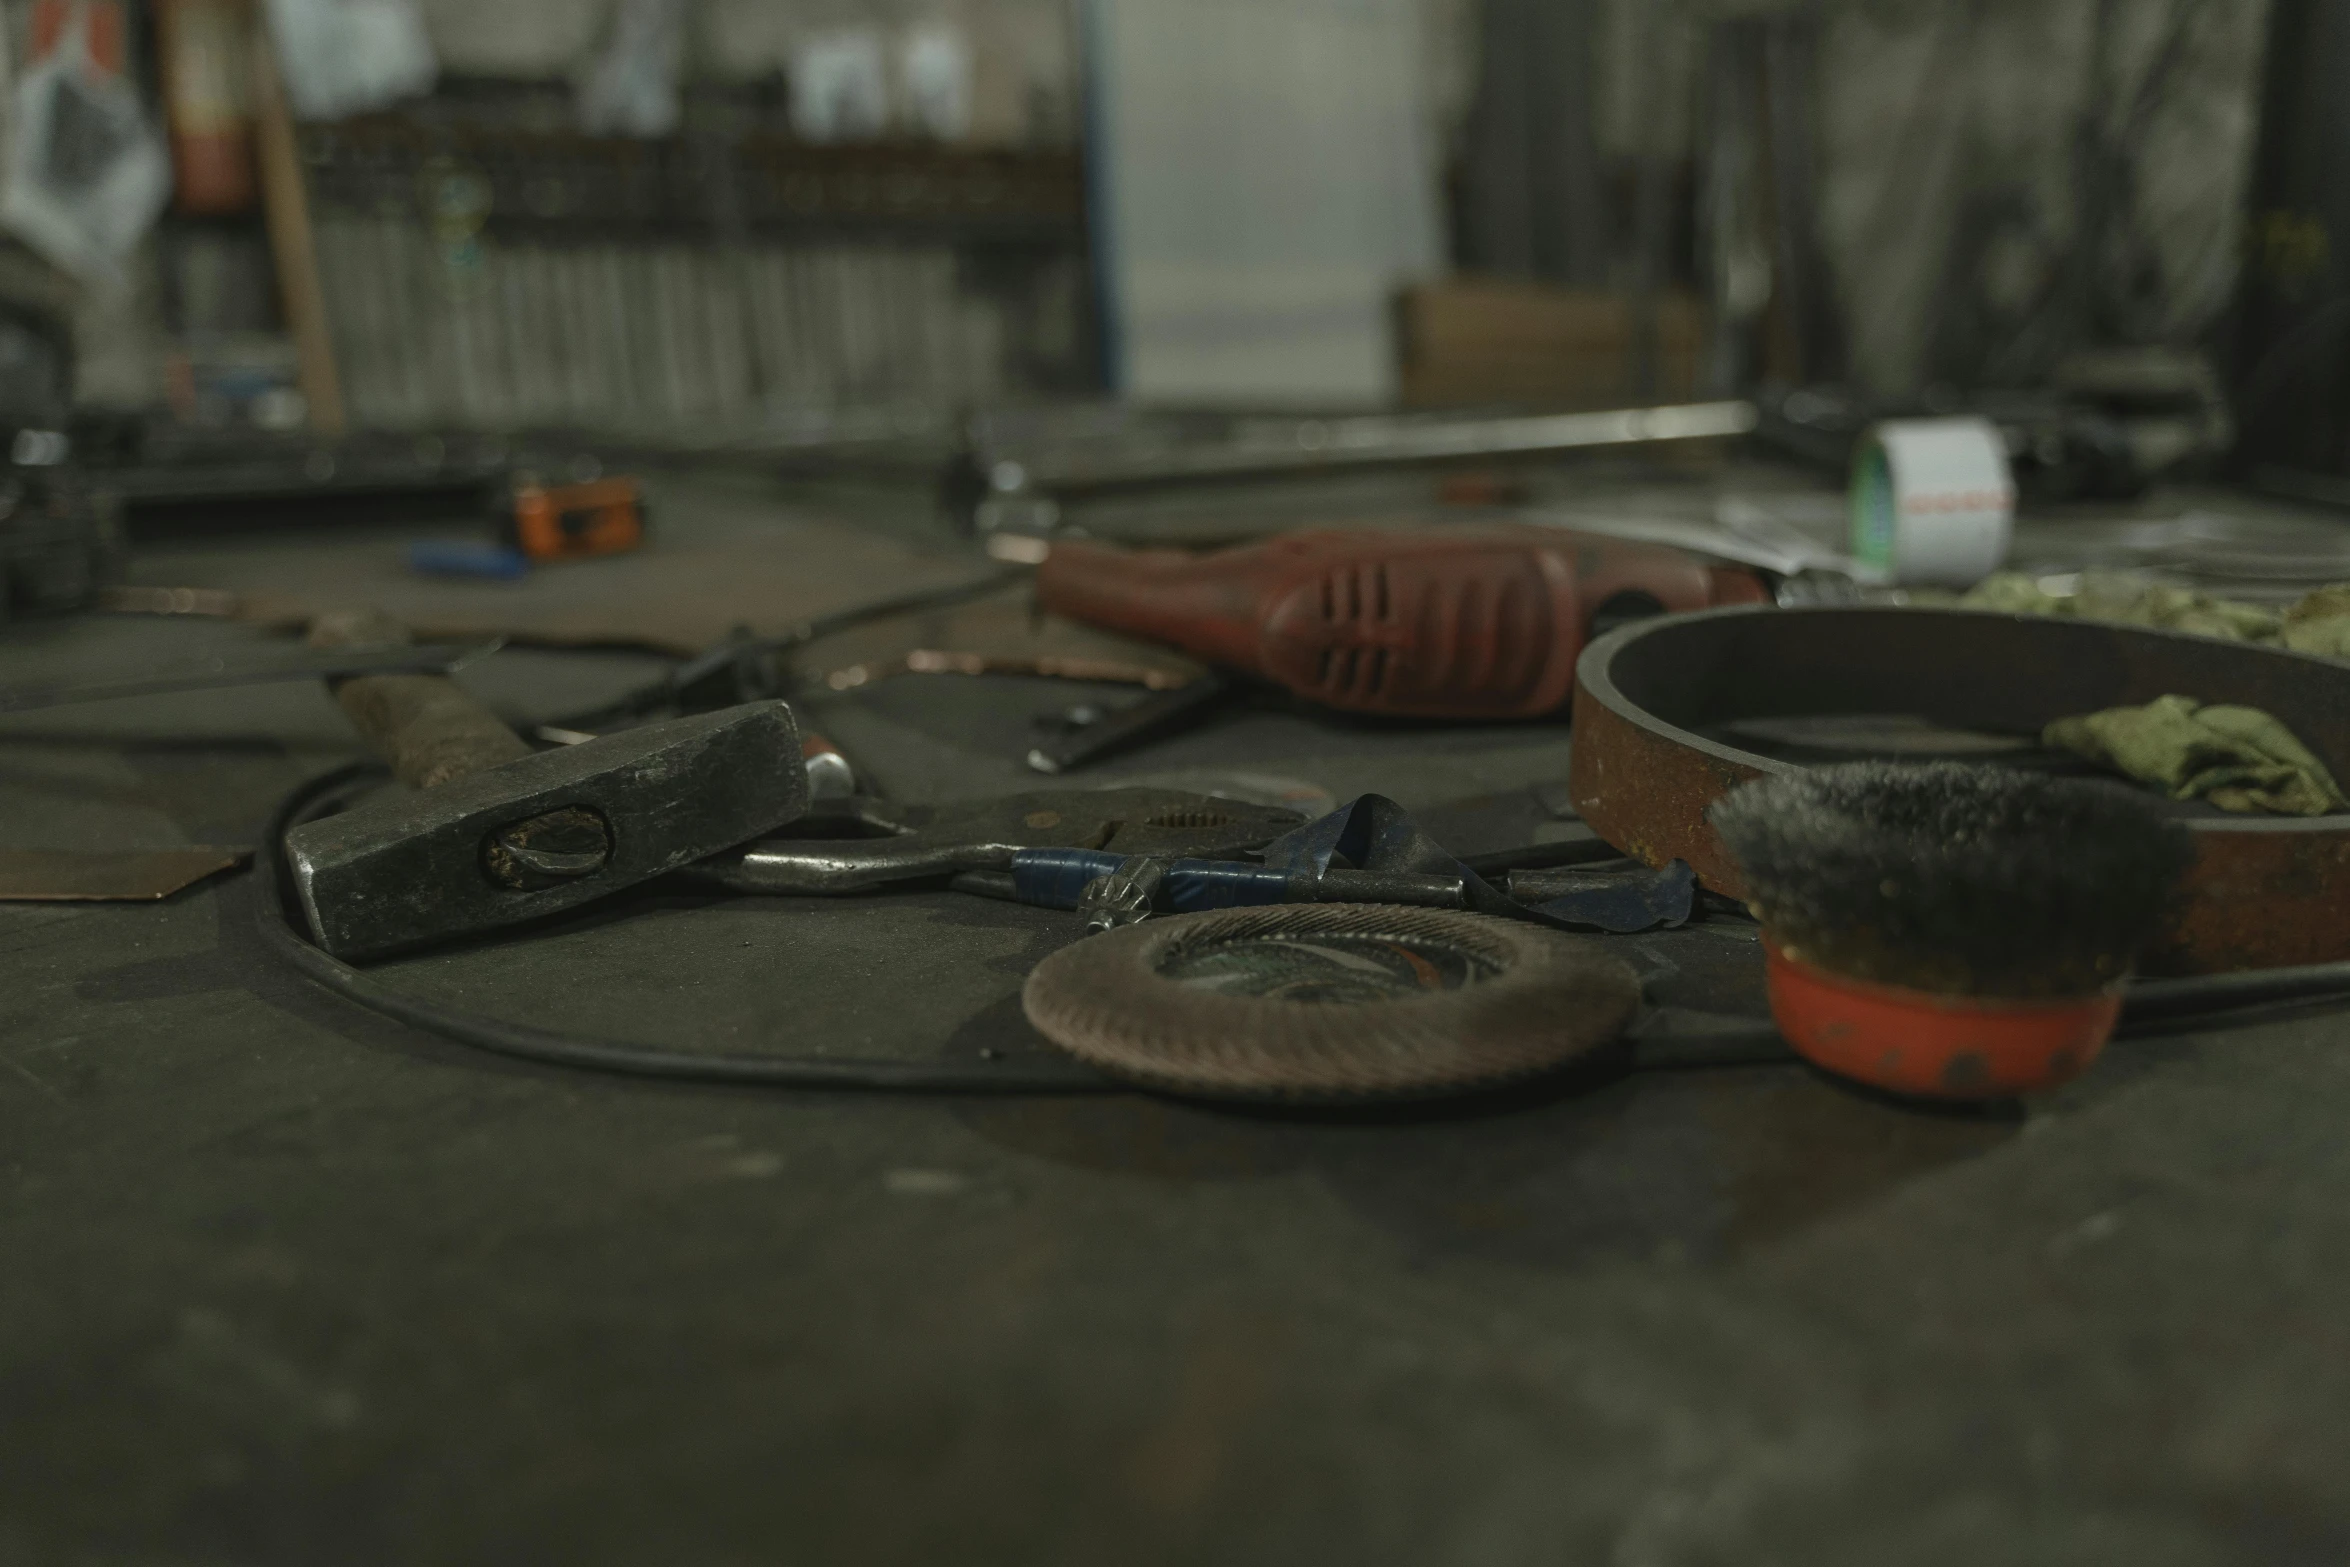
(289, 1283)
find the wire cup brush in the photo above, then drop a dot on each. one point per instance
(1949, 930)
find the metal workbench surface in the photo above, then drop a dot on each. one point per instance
(284, 1282)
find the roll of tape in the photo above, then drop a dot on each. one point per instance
(1932, 501)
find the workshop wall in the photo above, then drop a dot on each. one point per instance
(1022, 53)
(542, 39)
(1263, 185)
(1996, 182)
(2003, 180)
(671, 297)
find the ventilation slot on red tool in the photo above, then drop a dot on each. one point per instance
(1352, 666)
(1353, 594)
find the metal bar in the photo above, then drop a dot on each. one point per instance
(1649, 216)
(1309, 446)
(285, 203)
(1132, 725)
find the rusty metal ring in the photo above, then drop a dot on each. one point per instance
(1330, 1002)
(2264, 892)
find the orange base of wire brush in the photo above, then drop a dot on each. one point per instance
(1939, 1047)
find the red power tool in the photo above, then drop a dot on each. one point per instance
(1463, 623)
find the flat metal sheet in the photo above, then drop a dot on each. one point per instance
(108, 875)
(299, 664)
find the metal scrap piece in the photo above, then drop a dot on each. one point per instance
(108, 875)
(206, 674)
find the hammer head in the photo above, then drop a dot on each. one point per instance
(547, 832)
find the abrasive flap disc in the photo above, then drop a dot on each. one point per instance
(1330, 1001)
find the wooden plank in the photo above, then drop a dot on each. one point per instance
(1466, 341)
(285, 202)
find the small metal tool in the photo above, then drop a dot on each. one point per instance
(830, 775)
(1126, 896)
(870, 844)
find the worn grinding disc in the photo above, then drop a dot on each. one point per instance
(1329, 1001)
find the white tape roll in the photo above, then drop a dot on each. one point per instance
(1932, 501)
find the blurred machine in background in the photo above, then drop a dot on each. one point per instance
(60, 534)
(2292, 371)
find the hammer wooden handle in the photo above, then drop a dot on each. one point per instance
(428, 727)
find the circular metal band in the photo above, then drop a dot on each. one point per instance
(2264, 892)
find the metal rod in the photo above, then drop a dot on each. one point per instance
(1367, 441)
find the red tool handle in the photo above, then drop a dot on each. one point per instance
(1456, 623)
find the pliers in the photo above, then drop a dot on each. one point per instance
(1114, 855)
(864, 845)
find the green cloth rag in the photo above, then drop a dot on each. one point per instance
(2319, 623)
(2134, 601)
(2237, 758)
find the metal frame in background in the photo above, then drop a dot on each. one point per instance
(1016, 470)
